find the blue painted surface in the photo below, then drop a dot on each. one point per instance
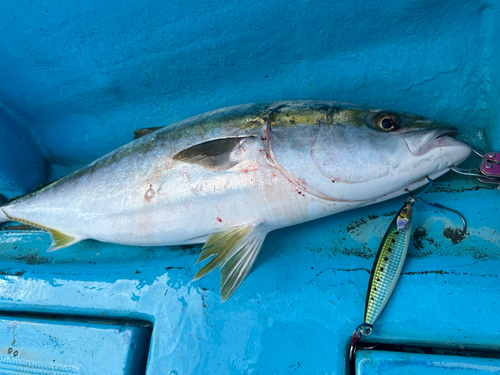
(57, 347)
(379, 362)
(23, 166)
(78, 77)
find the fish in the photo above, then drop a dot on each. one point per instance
(227, 178)
(388, 264)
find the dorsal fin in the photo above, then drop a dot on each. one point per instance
(142, 132)
(215, 155)
(235, 250)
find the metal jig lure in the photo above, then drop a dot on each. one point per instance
(388, 265)
(385, 272)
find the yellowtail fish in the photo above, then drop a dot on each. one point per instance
(227, 178)
(388, 264)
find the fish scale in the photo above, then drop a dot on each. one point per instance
(388, 264)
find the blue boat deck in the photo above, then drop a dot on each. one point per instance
(76, 79)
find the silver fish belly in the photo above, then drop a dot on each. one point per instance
(229, 177)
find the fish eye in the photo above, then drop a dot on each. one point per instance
(387, 122)
(405, 211)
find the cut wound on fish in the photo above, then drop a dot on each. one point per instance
(150, 194)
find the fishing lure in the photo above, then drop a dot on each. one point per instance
(388, 265)
(386, 270)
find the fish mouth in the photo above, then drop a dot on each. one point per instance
(421, 141)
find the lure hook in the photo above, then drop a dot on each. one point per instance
(437, 205)
(415, 198)
(363, 329)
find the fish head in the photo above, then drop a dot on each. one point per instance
(355, 155)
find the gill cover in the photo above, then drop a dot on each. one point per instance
(338, 158)
(355, 155)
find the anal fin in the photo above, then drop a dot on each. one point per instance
(59, 239)
(235, 251)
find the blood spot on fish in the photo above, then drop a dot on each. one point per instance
(150, 194)
(219, 220)
(263, 138)
(273, 175)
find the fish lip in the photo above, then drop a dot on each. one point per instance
(420, 142)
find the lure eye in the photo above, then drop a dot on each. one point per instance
(405, 211)
(387, 122)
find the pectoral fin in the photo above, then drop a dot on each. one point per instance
(216, 155)
(235, 250)
(59, 239)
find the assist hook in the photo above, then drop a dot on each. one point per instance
(415, 198)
